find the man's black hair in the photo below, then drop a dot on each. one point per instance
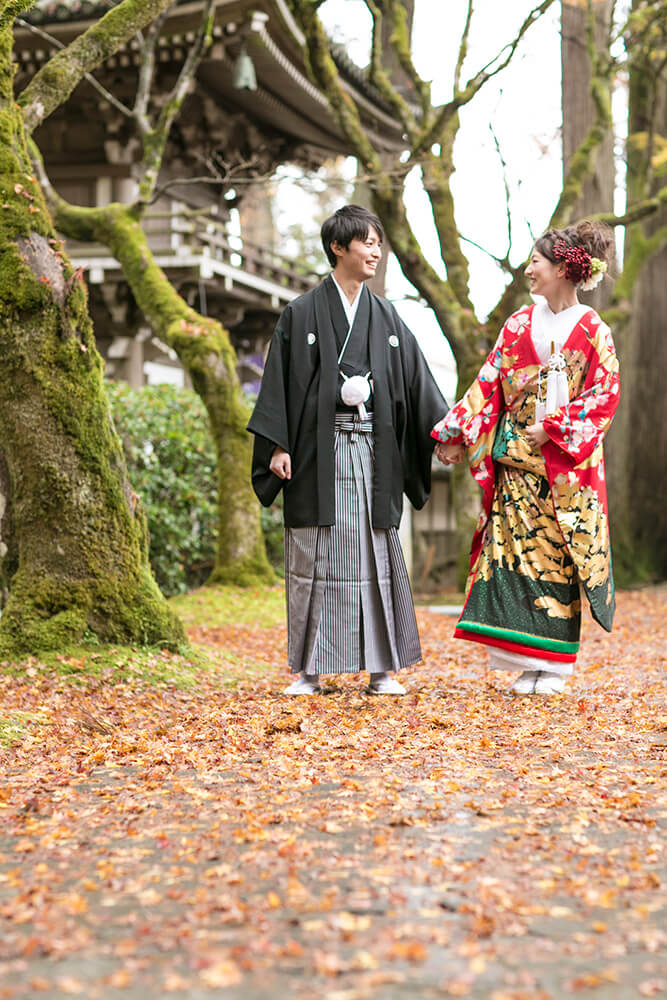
(351, 222)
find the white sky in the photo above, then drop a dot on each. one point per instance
(523, 105)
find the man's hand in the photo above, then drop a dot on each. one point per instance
(449, 454)
(281, 463)
(537, 436)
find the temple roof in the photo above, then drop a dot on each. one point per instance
(285, 99)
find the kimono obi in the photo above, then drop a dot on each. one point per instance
(511, 446)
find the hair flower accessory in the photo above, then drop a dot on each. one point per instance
(578, 262)
(598, 271)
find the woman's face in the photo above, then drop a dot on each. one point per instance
(544, 276)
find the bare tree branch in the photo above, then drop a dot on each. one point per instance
(447, 111)
(155, 138)
(463, 48)
(106, 94)
(640, 210)
(189, 68)
(382, 80)
(503, 164)
(401, 43)
(54, 83)
(230, 175)
(325, 74)
(146, 75)
(498, 260)
(10, 9)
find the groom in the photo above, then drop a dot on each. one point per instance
(342, 424)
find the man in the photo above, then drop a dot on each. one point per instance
(343, 423)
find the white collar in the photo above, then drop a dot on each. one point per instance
(349, 307)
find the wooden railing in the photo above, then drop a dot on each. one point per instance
(182, 233)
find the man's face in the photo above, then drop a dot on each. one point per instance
(359, 261)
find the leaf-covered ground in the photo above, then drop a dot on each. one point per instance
(173, 827)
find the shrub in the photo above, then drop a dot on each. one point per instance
(171, 463)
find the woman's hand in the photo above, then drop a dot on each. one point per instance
(281, 463)
(537, 436)
(449, 454)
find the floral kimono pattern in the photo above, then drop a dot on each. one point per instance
(543, 531)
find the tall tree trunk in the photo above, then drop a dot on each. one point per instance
(596, 197)
(597, 194)
(638, 439)
(644, 427)
(8, 560)
(81, 537)
(578, 109)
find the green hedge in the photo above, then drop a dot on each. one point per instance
(171, 464)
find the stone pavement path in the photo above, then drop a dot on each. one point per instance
(230, 842)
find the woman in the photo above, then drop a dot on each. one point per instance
(532, 425)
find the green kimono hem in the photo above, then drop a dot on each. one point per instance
(523, 638)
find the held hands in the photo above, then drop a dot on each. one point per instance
(281, 463)
(537, 436)
(449, 454)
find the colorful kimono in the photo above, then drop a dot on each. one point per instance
(543, 534)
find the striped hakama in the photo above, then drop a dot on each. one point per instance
(349, 604)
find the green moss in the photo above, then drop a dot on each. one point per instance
(228, 605)
(81, 538)
(51, 613)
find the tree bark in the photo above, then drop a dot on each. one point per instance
(81, 536)
(638, 438)
(597, 194)
(8, 555)
(579, 114)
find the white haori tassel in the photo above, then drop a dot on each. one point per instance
(558, 393)
(355, 392)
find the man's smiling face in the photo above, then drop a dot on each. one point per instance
(359, 261)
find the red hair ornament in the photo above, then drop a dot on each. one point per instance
(578, 267)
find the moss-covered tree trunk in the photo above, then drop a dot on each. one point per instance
(204, 349)
(82, 564)
(202, 345)
(637, 443)
(7, 536)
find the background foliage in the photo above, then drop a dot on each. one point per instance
(171, 463)
(172, 466)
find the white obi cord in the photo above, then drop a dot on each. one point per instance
(355, 392)
(557, 393)
(356, 389)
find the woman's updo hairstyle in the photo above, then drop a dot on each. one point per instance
(578, 246)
